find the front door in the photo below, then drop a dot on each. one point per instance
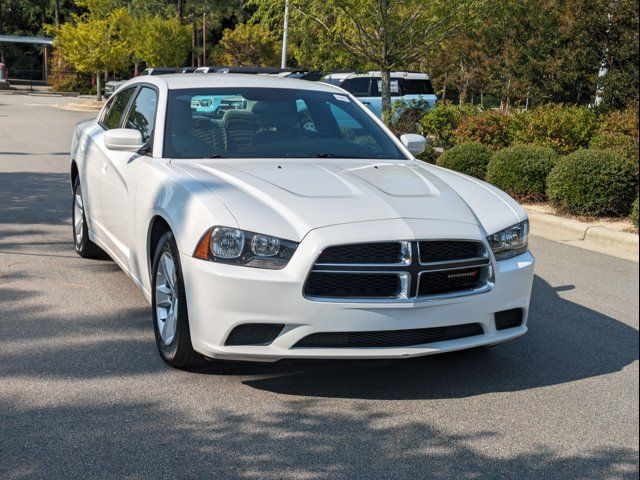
(121, 173)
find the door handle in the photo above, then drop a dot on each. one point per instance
(104, 168)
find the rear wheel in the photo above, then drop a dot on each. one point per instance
(83, 245)
(170, 317)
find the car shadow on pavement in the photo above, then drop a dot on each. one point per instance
(565, 342)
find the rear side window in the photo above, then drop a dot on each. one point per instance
(416, 87)
(142, 115)
(116, 108)
(376, 87)
(358, 87)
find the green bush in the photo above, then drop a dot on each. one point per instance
(522, 171)
(623, 122)
(429, 155)
(593, 182)
(470, 158)
(563, 128)
(620, 143)
(492, 128)
(634, 213)
(441, 122)
(406, 116)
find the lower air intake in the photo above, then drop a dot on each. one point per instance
(508, 319)
(254, 334)
(389, 338)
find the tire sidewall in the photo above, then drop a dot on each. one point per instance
(168, 352)
(80, 247)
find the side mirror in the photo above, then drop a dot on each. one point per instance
(123, 139)
(415, 143)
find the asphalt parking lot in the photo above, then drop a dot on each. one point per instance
(83, 393)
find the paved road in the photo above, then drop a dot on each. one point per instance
(83, 393)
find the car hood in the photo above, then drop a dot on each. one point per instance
(289, 198)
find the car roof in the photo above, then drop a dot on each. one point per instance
(179, 81)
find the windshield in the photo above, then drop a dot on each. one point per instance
(271, 123)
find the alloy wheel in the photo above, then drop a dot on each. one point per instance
(166, 298)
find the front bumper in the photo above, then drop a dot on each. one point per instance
(221, 297)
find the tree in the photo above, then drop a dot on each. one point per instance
(386, 34)
(618, 42)
(96, 42)
(160, 42)
(248, 44)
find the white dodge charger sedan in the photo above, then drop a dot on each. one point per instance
(268, 218)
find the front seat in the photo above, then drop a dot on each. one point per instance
(184, 141)
(240, 129)
(278, 121)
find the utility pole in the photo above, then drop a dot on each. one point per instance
(56, 6)
(285, 33)
(1, 33)
(204, 39)
(194, 29)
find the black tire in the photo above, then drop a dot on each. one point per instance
(179, 352)
(83, 245)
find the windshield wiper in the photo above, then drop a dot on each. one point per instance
(214, 155)
(333, 155)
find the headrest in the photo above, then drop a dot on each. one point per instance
(182, 117)
(279, 114)
(238, 115)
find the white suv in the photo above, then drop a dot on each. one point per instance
(367, 87)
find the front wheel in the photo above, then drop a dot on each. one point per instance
(170, 317)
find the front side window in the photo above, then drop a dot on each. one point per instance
(116, 108)
(271, 123)
(143, 113)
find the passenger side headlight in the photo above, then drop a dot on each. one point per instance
(239, 247)
(511, 241)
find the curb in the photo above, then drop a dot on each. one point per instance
(590, 236)
(39, 94)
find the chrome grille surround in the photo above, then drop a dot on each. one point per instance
(412, 272)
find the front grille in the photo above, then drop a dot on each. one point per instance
(346, 285)
(389, 338)
(254, 334)
(401, 270)
(363, 253)
(445, 251)
(448, 281)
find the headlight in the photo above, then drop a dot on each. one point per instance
(511, 241)
(238, 247)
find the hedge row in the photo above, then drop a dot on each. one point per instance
(563, 128)
(593, 182)
(590, 182)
